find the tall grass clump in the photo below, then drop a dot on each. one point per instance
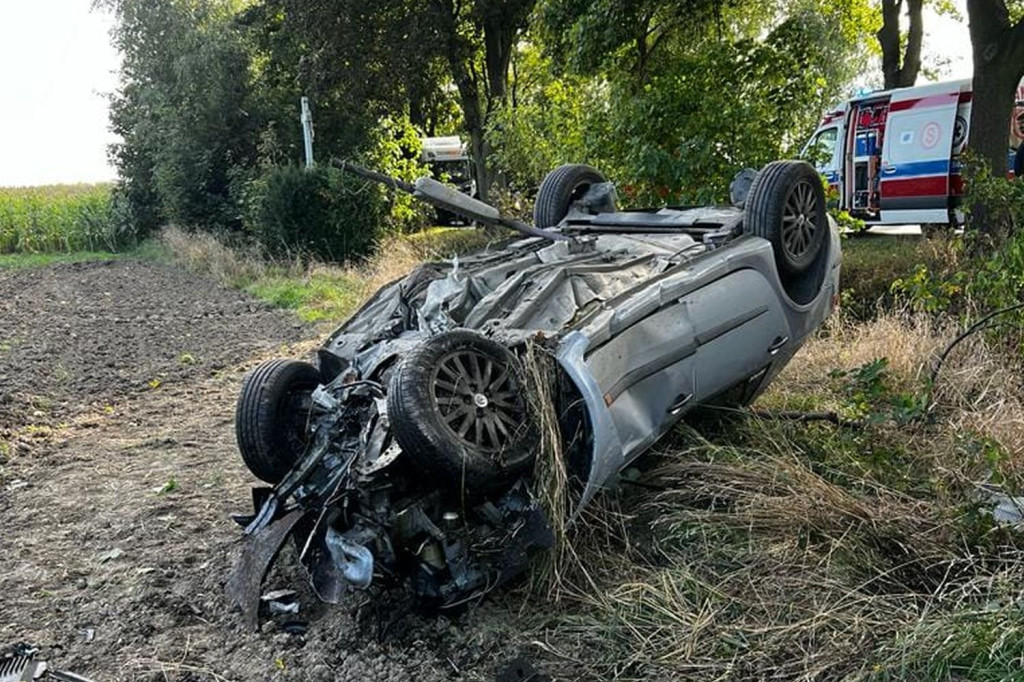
(60, 218)
(315, 289)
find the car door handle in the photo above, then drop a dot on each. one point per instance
(681, 401)
(777, 344)
(888, 170)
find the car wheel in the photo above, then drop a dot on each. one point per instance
(786, 206)
(271, 416)
(559, 189)
(1018, 163)
(457, 408)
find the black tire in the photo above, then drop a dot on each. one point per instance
(1018, 163)
(271, 416)
(559, 189)
(457, 408)
(786, 206)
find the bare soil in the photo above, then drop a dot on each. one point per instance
(118, 472)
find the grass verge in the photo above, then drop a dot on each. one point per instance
(149, 250)
(317, 291)
(872, 262)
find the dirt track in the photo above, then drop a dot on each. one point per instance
(119, 471)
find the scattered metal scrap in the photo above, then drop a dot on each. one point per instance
(20, 664)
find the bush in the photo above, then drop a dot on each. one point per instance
(984, 270)
(321, 213)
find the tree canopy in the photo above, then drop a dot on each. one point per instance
(670, 97)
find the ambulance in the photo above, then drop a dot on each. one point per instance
(893, 156)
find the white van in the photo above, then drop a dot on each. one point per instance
(893, 156)
(448, 160)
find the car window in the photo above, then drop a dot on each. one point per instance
(822, 148)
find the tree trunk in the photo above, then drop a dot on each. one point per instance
(499, 21)
(912, 54)
(998, 51)
(473, 119)
(991, 110)
(895, 73)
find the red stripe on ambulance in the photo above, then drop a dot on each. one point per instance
(923, 102)
(917, 187)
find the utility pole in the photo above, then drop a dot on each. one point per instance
(307, 131)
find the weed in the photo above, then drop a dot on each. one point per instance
(869, 395)
(169, 487)
(871, 263)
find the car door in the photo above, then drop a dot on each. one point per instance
(916, 152)
(645, 374)
(740, 327)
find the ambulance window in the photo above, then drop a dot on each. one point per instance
(822, 148)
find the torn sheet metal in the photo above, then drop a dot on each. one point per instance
(259, 550)
(22, 663)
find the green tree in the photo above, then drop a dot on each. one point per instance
(396, 55)
(182, 112)
(676, 107)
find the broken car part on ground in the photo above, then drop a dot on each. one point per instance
(405, 455)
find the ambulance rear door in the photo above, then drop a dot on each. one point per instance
(916, 153)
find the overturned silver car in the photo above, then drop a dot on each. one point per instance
(405, 454)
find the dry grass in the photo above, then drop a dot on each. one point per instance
(551, 477)
(775, 550)
(204, 253)
(318, 291)
(979, 389)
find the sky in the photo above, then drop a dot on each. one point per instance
(57, 65)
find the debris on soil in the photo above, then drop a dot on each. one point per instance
(20, 664)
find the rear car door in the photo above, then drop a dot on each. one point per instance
(916, 152)
(740, 327)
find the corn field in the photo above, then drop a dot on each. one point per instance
(57, 218)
